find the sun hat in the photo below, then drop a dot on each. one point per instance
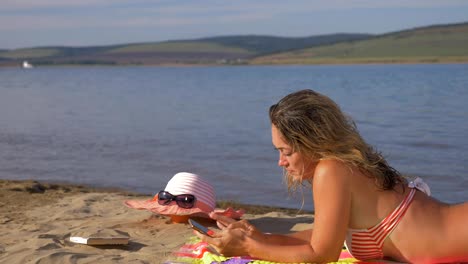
(186, 183)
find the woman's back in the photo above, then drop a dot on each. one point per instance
(433, 232)
(425, 233)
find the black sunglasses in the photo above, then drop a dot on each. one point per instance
(186, 201)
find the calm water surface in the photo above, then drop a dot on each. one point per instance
(135, 127)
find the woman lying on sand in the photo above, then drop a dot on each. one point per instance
(358, 198)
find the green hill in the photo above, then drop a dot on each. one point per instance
(175, 52)
(268, 44)
(179, 47)
(227, 50)
(441, 43)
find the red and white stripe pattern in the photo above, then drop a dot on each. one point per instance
(365, 244)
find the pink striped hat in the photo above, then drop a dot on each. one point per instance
(186, 183)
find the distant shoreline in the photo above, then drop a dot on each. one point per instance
(365, 61)
(262, 63)
(445, 43)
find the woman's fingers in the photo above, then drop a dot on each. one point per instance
(220, 225)
(206, 238)
(243, 224)
(222, 221)
(227, 222)
(213, 240)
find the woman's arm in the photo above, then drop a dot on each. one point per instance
(241, 241)
(332, 203)
(296, 238)
(332, 196)
(301, 237)
(332, 191)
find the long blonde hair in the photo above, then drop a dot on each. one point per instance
(314, 125)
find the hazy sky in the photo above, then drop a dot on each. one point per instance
(32, 23)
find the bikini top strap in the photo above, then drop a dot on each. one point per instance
(419, 184)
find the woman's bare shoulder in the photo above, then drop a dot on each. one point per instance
(333, 170)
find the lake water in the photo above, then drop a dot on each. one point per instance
(135, 127)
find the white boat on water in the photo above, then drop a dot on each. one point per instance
(27, 65)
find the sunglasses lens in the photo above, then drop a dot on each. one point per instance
(164, 198)
(185, 201)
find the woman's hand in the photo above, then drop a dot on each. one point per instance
(234, 237)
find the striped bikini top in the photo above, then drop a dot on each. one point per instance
(366, 244)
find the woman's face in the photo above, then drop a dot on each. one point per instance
(293, 162)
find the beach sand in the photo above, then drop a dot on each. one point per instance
(37, 219)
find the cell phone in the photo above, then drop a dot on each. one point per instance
(200, 228)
